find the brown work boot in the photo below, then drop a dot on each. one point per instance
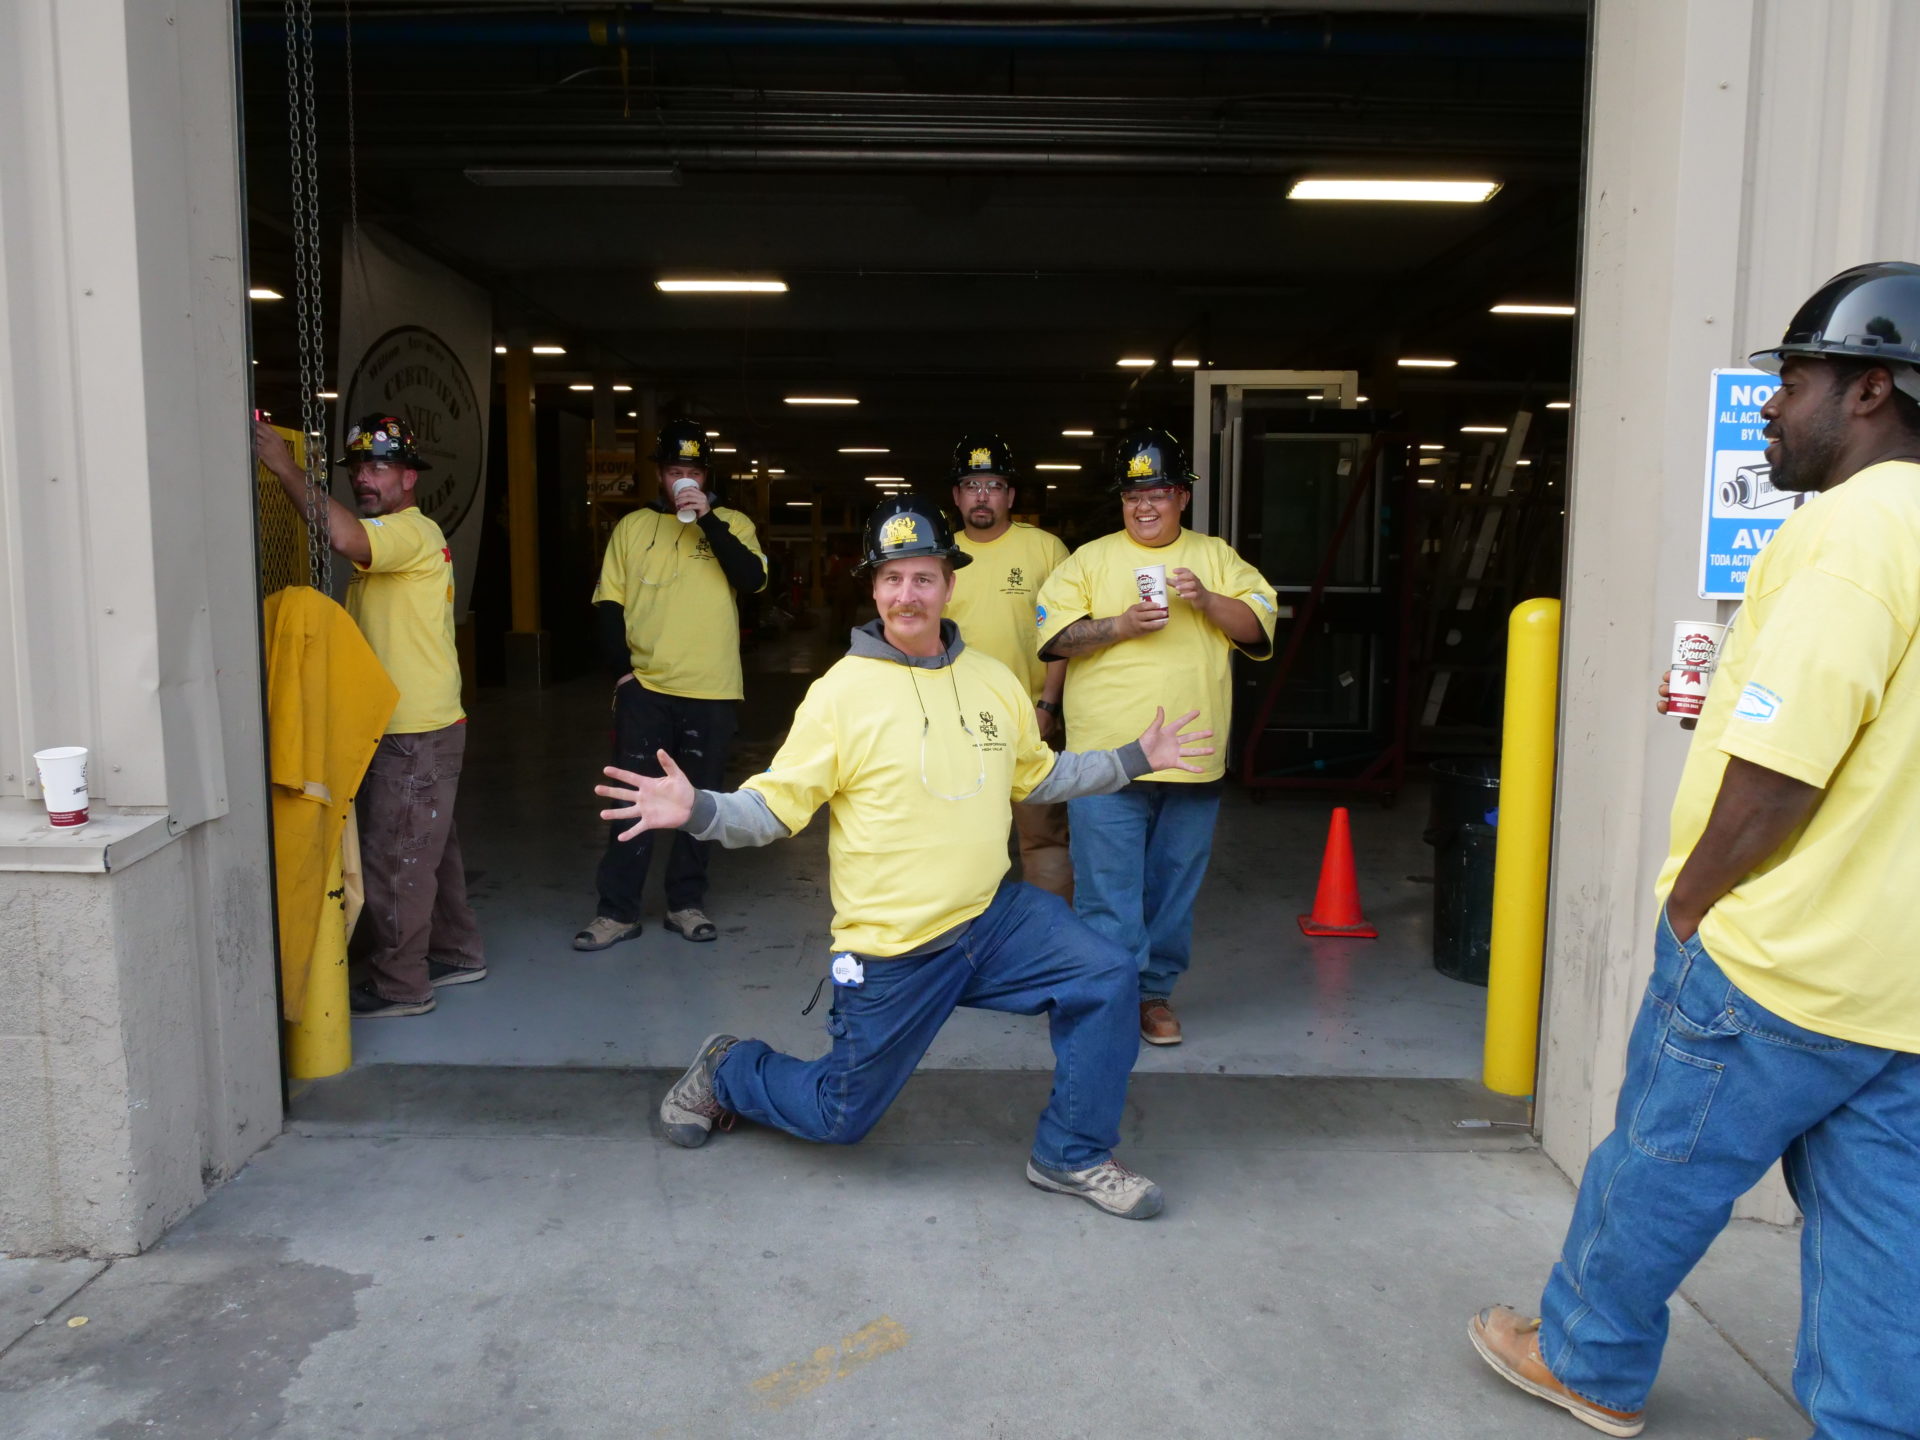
(1510, 1343)
(1158, 1024)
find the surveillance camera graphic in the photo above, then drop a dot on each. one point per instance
(1751, 487)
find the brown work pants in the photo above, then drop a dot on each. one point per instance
(1044, 858)
(416, 908)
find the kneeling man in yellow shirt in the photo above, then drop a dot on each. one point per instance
(919, 746)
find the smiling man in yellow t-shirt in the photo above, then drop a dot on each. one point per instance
(994, 603)
(1139, 855)
(1782, 1019)
(417, 932)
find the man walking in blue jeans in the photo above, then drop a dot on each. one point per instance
(918, 746)
(1152, 610)
(1783, 1015)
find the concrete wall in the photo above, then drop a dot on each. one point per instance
(138, 1022)
(1741, 151)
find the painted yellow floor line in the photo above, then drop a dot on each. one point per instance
(830, 1362)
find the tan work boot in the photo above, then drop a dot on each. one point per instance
(1510, 1343)
(603, 932)
(1158, 1024)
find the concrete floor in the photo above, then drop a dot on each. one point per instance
(500, 1255)
(1261, 998)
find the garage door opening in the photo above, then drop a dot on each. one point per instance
(1052, 223)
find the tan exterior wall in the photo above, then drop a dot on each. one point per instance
(1740, 152)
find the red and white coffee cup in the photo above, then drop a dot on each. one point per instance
(1696, 651)
(63, 784)
(1151, 582)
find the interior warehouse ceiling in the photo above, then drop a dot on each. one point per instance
(979, 208)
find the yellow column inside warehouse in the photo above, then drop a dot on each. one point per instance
(527, 660)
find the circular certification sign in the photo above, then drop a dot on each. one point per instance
(413, 373)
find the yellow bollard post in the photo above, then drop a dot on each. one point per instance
(1524, 849)
(320, 1042)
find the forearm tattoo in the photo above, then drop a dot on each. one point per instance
(1084, 635)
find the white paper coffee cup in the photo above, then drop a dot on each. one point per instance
(1696, 651)
(685, 492)
(1152, 583)
(63, 784)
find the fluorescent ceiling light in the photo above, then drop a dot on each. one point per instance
(1523, 462)
(1316, 397)
(1559, 404)
(499, 349)
(821, 400)
(261, 292)
(1411, 362)
(776, 472)
(1428, 480)
(713, 434)
(1531, 310)
(326, 394)
(1441, 192)
(692, 285)
(888, 479)
(580, 387)
(620, 389)
(1359, 399)
(1078, 434)
(549, 349)
(1429, 460)
(1056, 465)
(1433, 447)
(1186, 364)
(1053, 487)
(799, 504)
(557, 175)
(1134, 362)
(633, 414)
(1483, 429)
(724, 449)
(864, 450)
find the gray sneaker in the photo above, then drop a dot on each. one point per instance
(690, 1108)
(1109, 1186)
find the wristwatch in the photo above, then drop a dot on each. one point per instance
(1052, 707)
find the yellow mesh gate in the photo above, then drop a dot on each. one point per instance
(283, 529)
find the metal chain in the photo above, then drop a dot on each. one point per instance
(303, 146)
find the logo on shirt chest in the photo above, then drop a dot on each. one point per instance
(703, 550)
(989, 731)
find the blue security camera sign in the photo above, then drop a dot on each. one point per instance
(1742, 510)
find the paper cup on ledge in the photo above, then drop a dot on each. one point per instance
(1152, 581)
(1696, 651)
(63, 784)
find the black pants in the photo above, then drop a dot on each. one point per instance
(696, 733)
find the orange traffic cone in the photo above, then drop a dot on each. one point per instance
(1336, 904)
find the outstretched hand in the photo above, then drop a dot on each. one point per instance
(662, 803)
(1168, 749)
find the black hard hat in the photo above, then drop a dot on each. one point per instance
(906, 527)
(1150, 457)
(683, 442)
(382, 437)
(1871, 312)
(982, 455)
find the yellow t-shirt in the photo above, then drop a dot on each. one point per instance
(1112, 692)
(1818, 681)
(683, 624)
(994, 597)
(906, 862)
(402, 600)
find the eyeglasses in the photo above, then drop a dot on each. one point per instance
(1158, 495)
(926, 727)
(984, 487)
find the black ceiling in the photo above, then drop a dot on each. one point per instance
(977, 216)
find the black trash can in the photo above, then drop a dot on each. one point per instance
(1462, 827)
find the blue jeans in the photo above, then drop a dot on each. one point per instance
(1717, 1089)
(1024, 955)
(1138, 859)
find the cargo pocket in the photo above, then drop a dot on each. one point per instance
(1668, 1121)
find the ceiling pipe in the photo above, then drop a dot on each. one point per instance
(1291, 34)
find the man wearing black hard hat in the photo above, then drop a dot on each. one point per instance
(416, 932)
(919, 745)
(994, 605)
(1782, 1020)
(670, 638)
(1139, 855)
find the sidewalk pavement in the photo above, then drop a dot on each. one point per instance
(497, 1254)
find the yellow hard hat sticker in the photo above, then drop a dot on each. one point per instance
(980, 459)
(1141, 464)
(689, 449)
(898, 531)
